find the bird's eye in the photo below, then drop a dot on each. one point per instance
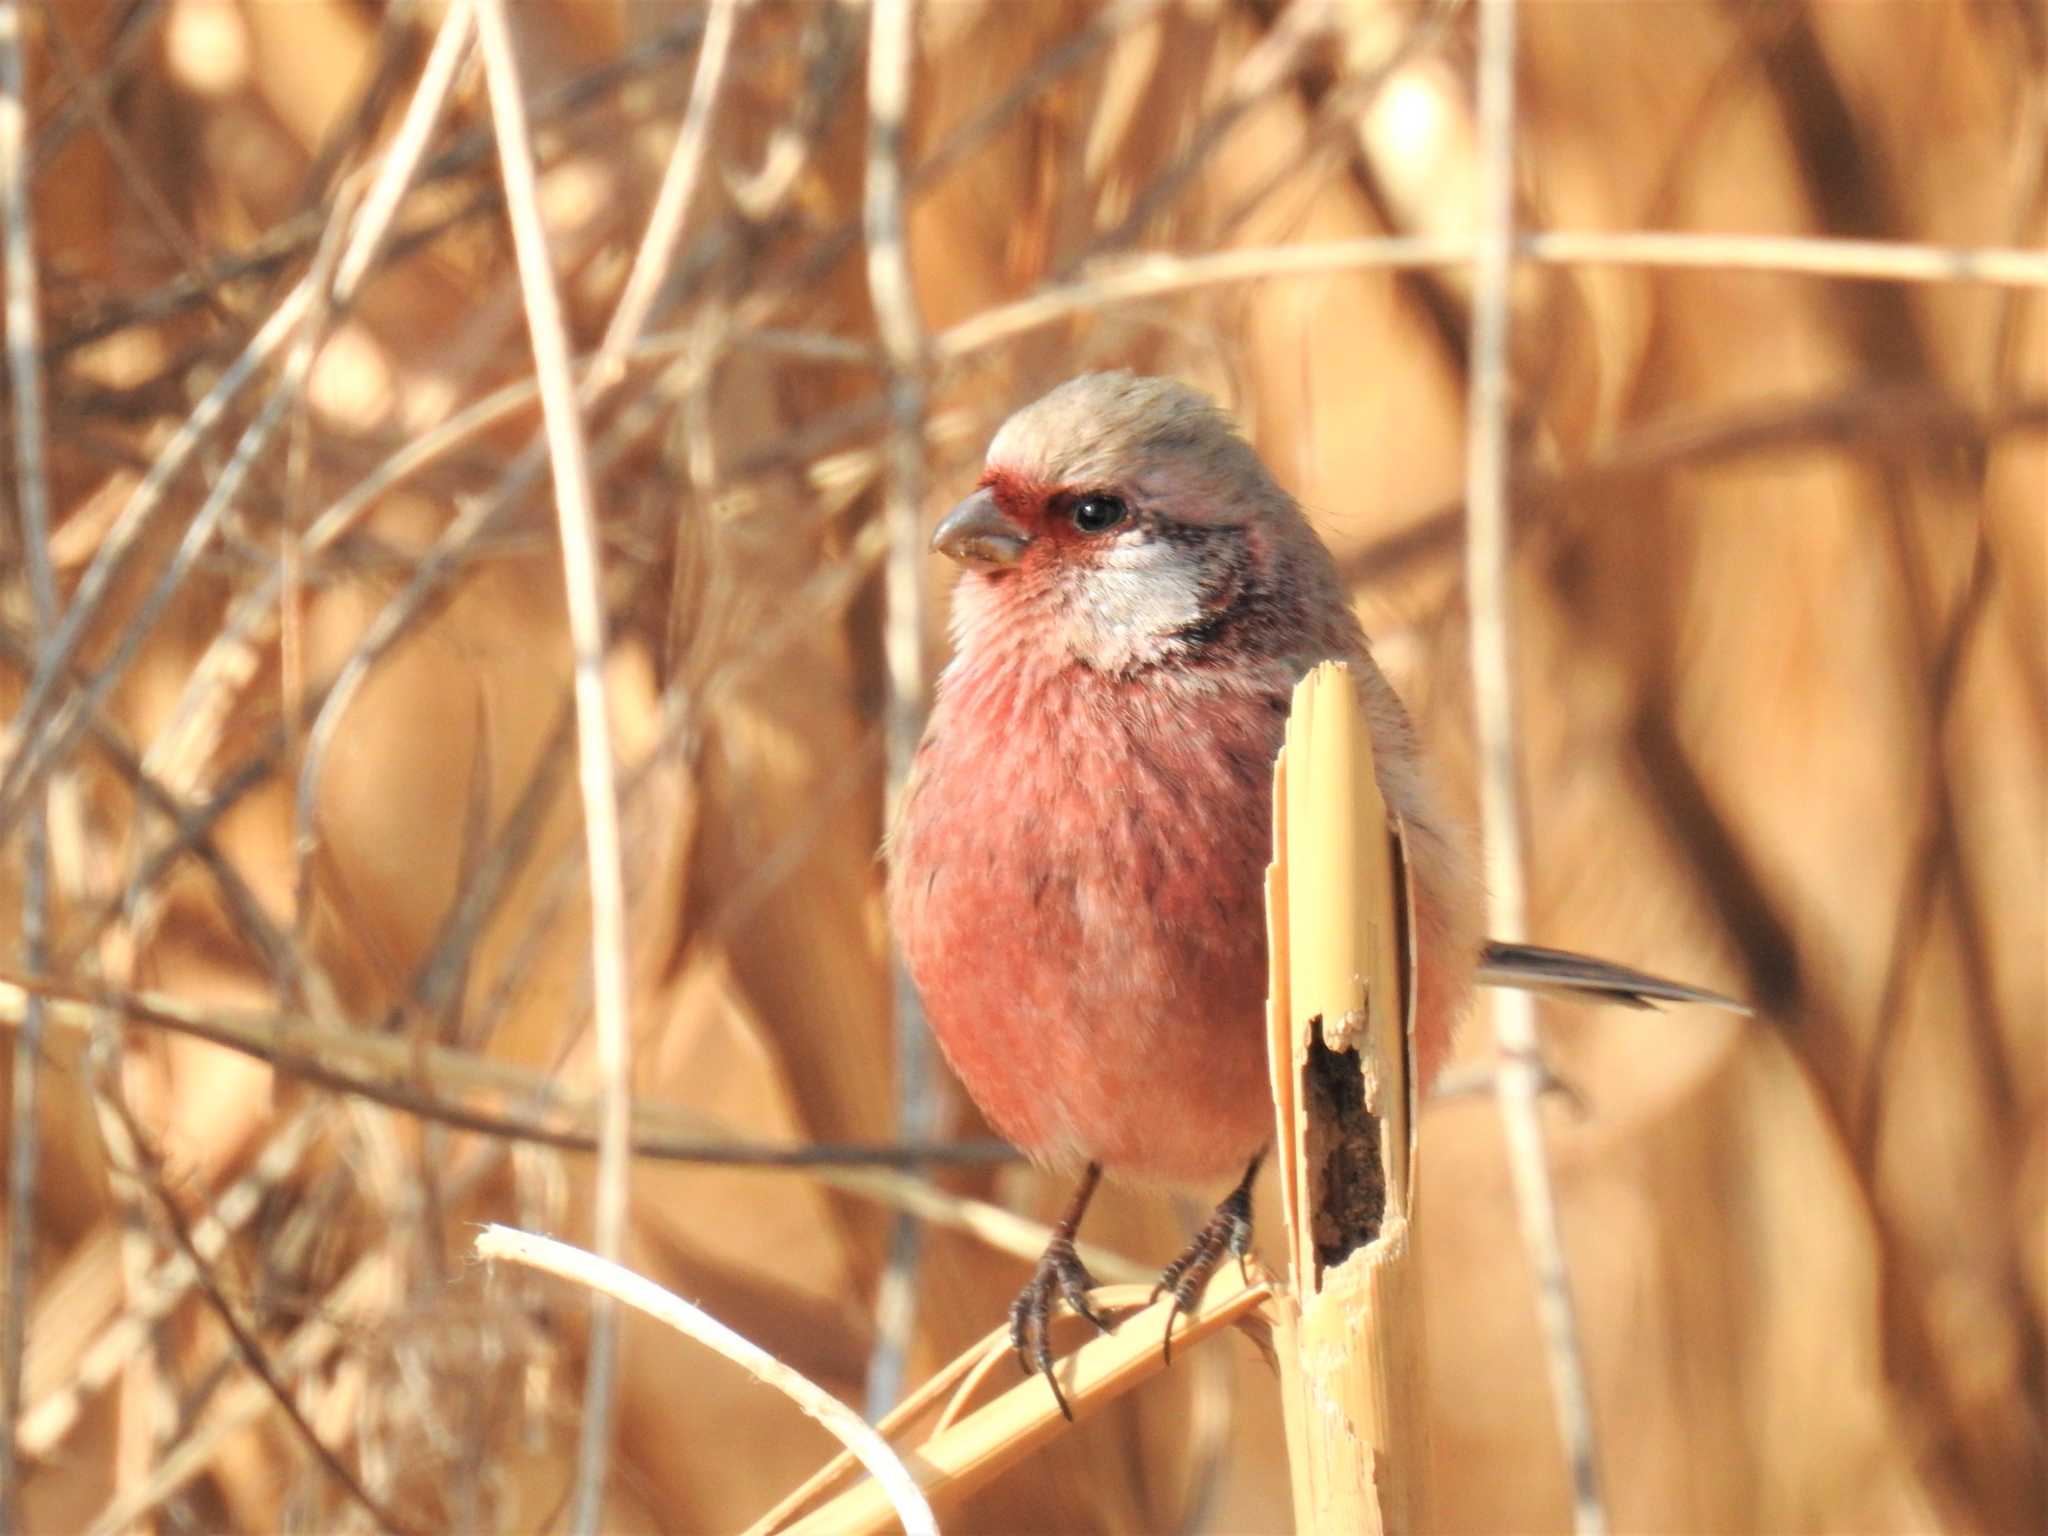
(1098, 514)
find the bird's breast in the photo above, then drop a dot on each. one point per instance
(1078, 885)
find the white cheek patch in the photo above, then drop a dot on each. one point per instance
(1138, 592)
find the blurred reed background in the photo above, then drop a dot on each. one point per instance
(309, 773)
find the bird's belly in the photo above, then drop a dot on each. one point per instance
(1146, 1054)
(1091, 1029)
(1094, 963)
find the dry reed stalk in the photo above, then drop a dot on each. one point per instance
(40, 742)
(80, 1340)
(537, 1107)
(1153, 275)
(969, 1453)
(1488, 551)
(1086, 195)
(1350, 1337)
(354, 1303)
(127, 1146)
(179, 751)
(892, 292)
(587, 1269)
(583, 575)
(32, 539)
(665, 224)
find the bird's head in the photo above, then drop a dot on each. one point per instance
(1124, 521)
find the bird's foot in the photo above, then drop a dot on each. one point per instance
(1060, 1273)
(1228, 1230)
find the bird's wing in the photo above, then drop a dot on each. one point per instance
(1536, 969)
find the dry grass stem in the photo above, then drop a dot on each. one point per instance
(346, 265)
(1869, 261)
(31, 542)
(140, 1161)
(201, 712)
(1129, 279)
(85, 1362)
(309, 313)
(960, 1376)
(583, 577)
(30, 742)
(421, 1079)
(597, 1274)
(891, 44)
(971, 1452)
(672, 204)
(1488, 596)
(350, 1304)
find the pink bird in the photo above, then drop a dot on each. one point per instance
(1077, 871)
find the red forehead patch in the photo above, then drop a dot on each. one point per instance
(1018, 495)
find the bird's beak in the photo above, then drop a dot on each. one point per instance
(978, 536)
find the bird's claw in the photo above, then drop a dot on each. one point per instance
(1059, 1272)
(1228, 1230)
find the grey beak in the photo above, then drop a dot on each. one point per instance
(978, 536)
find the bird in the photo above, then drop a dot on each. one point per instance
(1076, 863)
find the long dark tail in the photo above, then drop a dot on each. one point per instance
(1536, 969)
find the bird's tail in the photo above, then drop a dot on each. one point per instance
(1536, 969)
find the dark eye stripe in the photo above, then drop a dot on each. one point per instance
(1235, 602)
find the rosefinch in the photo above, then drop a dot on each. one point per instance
(1077, 872)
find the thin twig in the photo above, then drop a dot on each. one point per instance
(35, 749)
(605, 370)
(29, 743)
(383, 1067)
(1265, 68)
(184, 742)
(396, 53)
(614, 1280)
(672, 202)
(1123, 280)
(401, 161)
(1934, 858)
(576, 514)
(891, 46)
(1106, 26)
(98, 1362)
(32, 502)
(285, 242)
(1908, 419)
(120, 48)
(309, 1052)
(457, 544)
(1870, 261)
(1487, 568)
(599, 375)
(233, 654)
(144, 1166)
(192, 833)
(344, 1308)
(44, 741)
(90, 89)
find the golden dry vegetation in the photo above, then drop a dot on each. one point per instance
(290, 753)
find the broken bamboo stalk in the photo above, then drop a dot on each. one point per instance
(1349, 1330)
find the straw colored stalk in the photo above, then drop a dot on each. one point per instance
(905, 1502)
(961, 1455)
(1349, 1323)
(576, 514)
